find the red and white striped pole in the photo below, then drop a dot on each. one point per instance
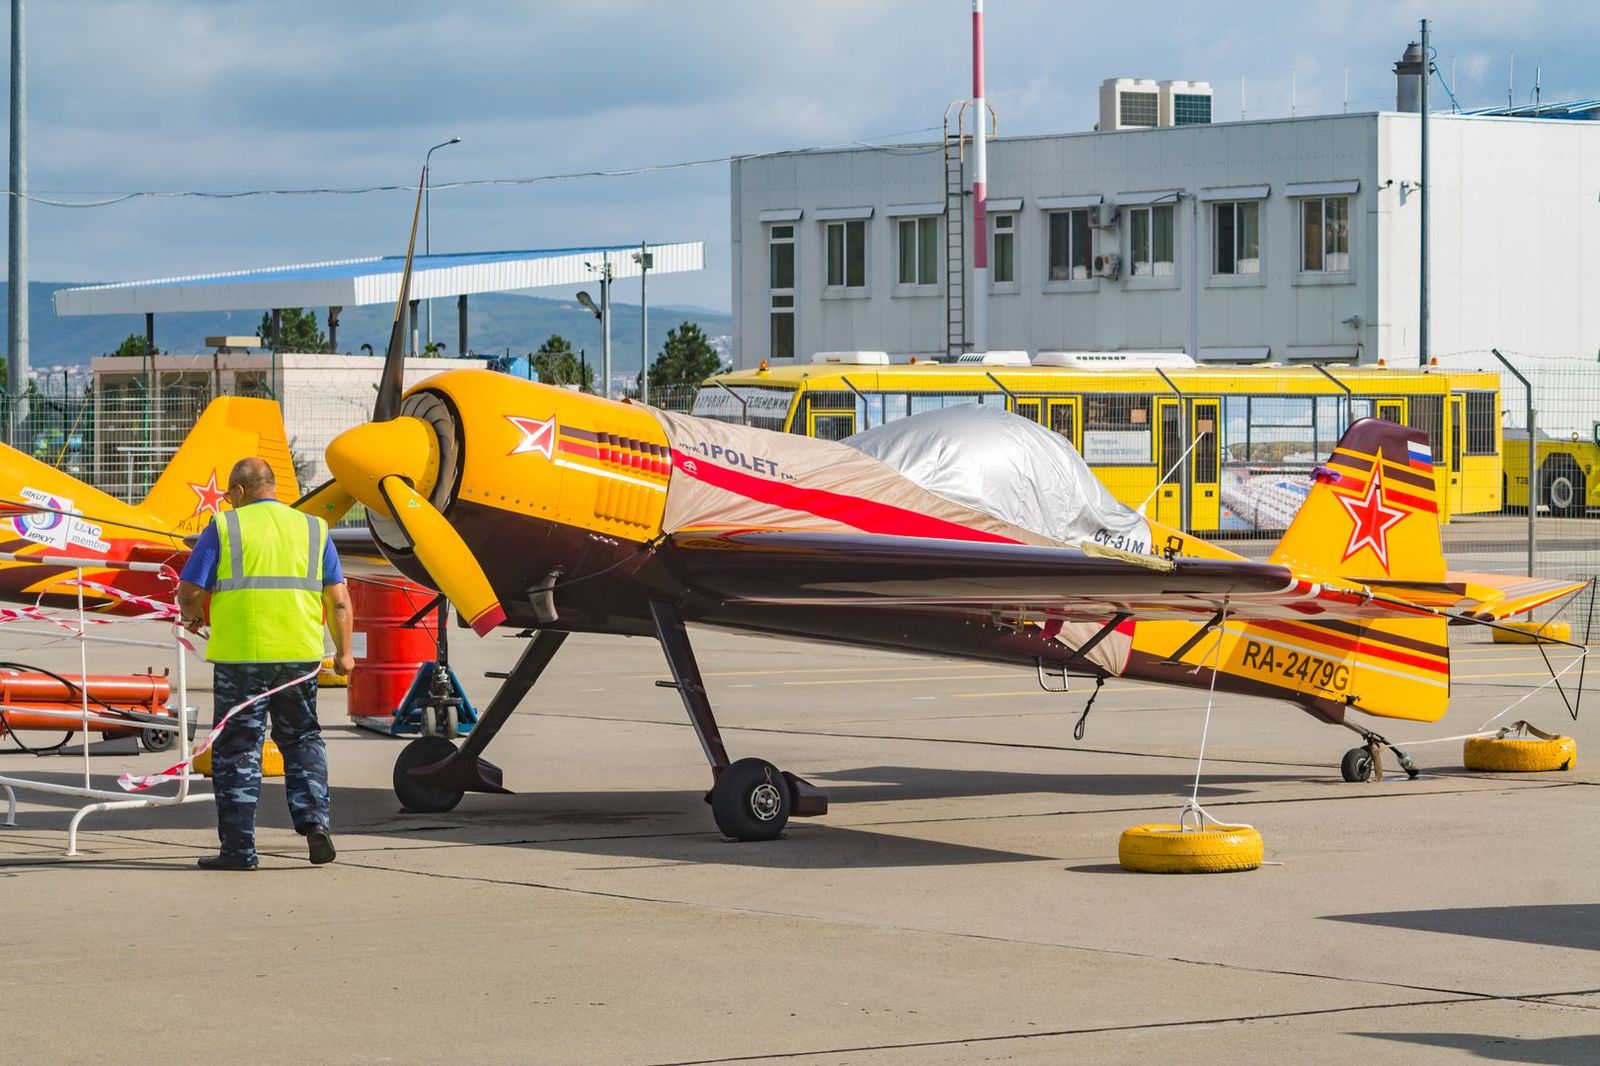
(980, 190)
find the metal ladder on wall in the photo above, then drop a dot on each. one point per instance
(955, 232)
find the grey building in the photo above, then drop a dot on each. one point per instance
(1286, 239)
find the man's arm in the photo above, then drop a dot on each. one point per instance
(336, 605)
(191, 601)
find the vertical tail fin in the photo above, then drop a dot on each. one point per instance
(1371, 516)
(1372, 512)
(231, 428)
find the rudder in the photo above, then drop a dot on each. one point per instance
(231, 428)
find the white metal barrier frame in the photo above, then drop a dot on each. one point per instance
(106, 800)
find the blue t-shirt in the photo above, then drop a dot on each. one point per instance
(201, 569)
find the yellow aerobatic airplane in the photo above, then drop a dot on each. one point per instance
(539, 508)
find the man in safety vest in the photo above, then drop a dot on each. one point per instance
(270, 573)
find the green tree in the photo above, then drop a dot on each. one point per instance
(133, 346)
(557, 364)
(686, 359)
(297, 331)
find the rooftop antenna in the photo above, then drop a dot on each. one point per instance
(1538, 73)
(1511, 80)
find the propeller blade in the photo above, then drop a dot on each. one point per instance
(392, 384)
(446, 556)
(328, 501)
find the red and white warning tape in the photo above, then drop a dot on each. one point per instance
(131, 783)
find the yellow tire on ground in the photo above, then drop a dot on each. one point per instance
(1532, 632)
(1520, 755)
(1170, 849)
(271, 761)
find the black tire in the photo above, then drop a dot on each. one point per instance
(1356, 765)
(157, 739)
(414, 795)
(751, 801)
(1563, 490)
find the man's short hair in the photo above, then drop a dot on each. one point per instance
(252, 474)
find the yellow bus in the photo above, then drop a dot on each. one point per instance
(1207, 449)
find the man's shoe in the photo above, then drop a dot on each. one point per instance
(224, 862)
(320, 846)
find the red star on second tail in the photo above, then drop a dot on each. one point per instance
(537, 436)
(211, 497)
(1373, 519)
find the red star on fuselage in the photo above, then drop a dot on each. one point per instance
(537, 436)
(1373, 518)
(211, 497)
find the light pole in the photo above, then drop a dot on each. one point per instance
(604, 314)
(587, 301)
(427, 216)
(645, 261)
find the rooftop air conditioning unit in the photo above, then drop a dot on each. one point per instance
(1108, 265)
(852, 358)
(1085, 360)
(1103, 216)
(997, 358)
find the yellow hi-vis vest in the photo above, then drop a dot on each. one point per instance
(266, 606)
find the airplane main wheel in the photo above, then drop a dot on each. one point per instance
(1358, 765)
(750, 800)
(416, 795)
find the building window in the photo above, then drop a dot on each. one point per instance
(780, 244)
(1325, 234)
(919, 251)
(1189, 109)
(1151, 245)
(1138, 109)
(1069, 245)
(1004, 259)
(1237, 232)
(847, 254)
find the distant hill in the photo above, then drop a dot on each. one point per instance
(496, 322)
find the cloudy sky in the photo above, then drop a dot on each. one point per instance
(228, 95)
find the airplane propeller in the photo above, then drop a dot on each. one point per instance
(391, 465)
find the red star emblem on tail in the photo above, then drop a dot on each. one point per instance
(210, 496)
(537, 436)
(1373, 518)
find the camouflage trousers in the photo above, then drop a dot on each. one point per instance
(236, 756)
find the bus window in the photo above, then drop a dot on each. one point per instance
(1360, 407)
(1482, 415)
(1171, 444)
(1427, 414)
(1205, 448)
(1064, 419)
(1116, 429)
(1392, 411)
(1028, 409)
(832, 426)
(870, 410)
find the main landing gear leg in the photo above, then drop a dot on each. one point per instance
(431, 774)
(1366, 762)
(750, 799)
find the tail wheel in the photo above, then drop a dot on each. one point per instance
(751, 800)
(1358, 765)
(1520, 754)
(1171, 849)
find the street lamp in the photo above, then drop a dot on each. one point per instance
(646, 259)
(604, 314)
(427, 213)
(588, 301)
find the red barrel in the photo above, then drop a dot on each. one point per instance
(386, 654)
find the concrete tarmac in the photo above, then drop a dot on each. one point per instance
(961, 902)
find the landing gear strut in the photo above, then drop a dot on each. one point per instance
(432, 774)
(1366, 762)
(750, 799)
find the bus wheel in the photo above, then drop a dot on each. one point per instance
(1564, 489)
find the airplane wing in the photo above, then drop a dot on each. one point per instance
(807, 568)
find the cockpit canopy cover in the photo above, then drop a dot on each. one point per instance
(1009, 467)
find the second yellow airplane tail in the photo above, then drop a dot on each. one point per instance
(190, 490)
